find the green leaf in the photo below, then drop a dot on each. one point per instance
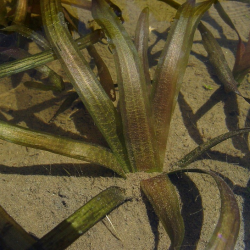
(194, 154)
(3, 13)
(44, 70)
(162, 195)
(134, 102)
(60, 145)
(218, 60)
(103, 73)
(141, 43)
(171, 68)
(39, 86)
(70, 98)
(226, 232)
(227, 229)
(172, 3)
(21, 11)
(83, 79)
(64, 234)
(30, 62)
(223, 14)
(12, 235)
(27, 32)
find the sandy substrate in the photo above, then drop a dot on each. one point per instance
(40, 189)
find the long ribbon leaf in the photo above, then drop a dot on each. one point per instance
(141, 42)
(134, 102)
(162, 196)
(12, 235)
(194, 154)
(218, 60)
(45, 71)
(226, 232)
(171, 67)
(60, 145)
(27, 32)
(7, 69)
(64, 234)
(83, 79)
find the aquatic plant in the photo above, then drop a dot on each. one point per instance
(136, 130)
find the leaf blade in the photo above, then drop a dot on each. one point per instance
(218, 60)
(7, 69)
(162, 195)
(141, 43)
(12, 235)
(171, 68)
(194, 154)
(83, 79)
(134, 102)
(64, 234)
(60, 145)
(226, 231)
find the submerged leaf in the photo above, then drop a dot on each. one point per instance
(134, 102)
(12, 235)
(194, 154)
(83, 79)
(21, 11)
(3, 13)
(103, 73)
(218, 60)
(227, 229)
(225, 17)
(87, 5)
(39, 86)
(242, 61)
(70, 98)
(31, 34)
(60, 145)
(162, 196)
(53, 77)
(64, 234)
(172, 3)
(30, 62)
(141, 43)
(171, 68)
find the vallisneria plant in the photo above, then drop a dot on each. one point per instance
(136, 130)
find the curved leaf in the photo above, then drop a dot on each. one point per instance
(226, 232)
(83, 79)
(103, 73)
(12, 235)
(242, 61)
(141, 42)
(31, 34)
(21, 11)
(194, 154)
(55, 80)
(171, 68)
(134, 102)
(64, 234)
(60, 145)
(30, 62)
(223, 14)
(162, 195)
(218, 60)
